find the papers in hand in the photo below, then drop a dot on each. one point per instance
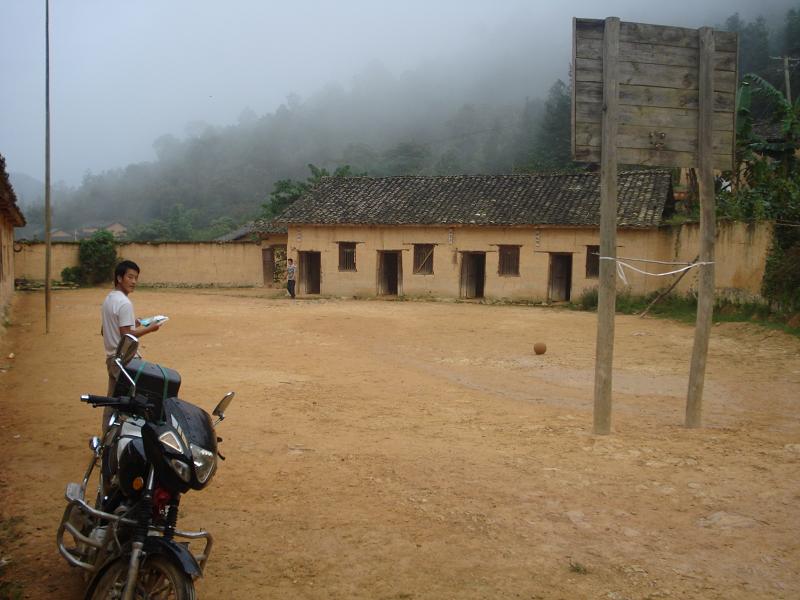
(158, 319)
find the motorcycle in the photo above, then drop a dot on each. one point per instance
(156, 448)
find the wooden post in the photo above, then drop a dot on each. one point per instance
(705, 300)
(787, 80)
(607, 288)
(47, 212)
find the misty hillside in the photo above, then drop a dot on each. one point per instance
(29, 190)
(380, 125)
(436, 119)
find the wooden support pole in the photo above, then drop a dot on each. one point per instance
(47, 211)
(607, 281)
(705, 292)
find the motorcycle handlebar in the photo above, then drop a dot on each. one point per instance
(123, 403)
(100, 400)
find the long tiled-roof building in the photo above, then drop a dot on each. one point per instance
(532, 237)
(492, 200)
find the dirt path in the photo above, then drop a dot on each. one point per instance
(387, 450)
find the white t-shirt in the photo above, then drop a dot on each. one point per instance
(117, 312)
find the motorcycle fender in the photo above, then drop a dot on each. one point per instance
(178, 553)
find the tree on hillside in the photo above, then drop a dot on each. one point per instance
(287, 191)
(406, 158)
(551, 148)
(753, 46)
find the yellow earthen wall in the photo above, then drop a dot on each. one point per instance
(740, 258)
(6, 262)
(224, 265)
(741, 251)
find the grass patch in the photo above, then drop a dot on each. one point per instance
(684, 309)
(576, 567)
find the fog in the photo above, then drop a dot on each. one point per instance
(125, 73)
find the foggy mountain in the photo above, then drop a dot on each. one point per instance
(475, 112)
(421, 121)
(29, 190)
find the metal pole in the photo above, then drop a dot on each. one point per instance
(47, 215)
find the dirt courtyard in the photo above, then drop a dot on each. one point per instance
(421, 450)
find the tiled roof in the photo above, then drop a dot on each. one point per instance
(262, 226)
(237, 234)
(8, 199)
(501, 200)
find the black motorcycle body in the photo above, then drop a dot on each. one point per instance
(157, 448)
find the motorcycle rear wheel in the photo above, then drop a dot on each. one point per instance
(159, 579)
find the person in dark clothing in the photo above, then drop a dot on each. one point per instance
(291, 273)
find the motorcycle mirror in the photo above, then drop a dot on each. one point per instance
(127, 347)
(219, 411)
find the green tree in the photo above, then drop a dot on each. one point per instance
(97, 256)
(753, 44)
(406, 158)
(287, 191)
(552, 149)
(769, 186)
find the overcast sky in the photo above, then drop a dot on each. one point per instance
(123, 73)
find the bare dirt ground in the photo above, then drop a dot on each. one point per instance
(388, 450)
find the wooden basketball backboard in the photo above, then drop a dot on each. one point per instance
(658, 94)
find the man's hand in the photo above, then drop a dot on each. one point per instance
(140, 331)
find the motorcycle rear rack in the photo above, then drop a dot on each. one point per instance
(75, 496)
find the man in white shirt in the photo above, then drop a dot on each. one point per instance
(118, 317)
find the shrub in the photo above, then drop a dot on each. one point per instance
(98, 257)
(588, 299)
(72, 275)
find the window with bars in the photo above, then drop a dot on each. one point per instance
(508, 261)
(423, 259)
(592, 262)
(347, 256)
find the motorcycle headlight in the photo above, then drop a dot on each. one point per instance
(204, 461)
(181, 468)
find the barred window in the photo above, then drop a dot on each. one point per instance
(592, 262)
(509, 261)
(347, 256)
(423, 259)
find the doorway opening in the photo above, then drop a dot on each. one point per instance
(268, 264)
(310, 272)
(273, 262)
(390, 273)
(473, 274)
(560, 284)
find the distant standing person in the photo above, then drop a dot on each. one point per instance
(119, 319)
(291, 274)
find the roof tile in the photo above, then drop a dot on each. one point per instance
(499, 200)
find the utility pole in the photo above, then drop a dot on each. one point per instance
(47, 214)
(789, 62)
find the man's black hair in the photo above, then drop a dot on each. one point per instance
(122, 268)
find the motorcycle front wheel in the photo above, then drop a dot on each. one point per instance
(159, 579)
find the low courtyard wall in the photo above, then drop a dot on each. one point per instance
(231, 264)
